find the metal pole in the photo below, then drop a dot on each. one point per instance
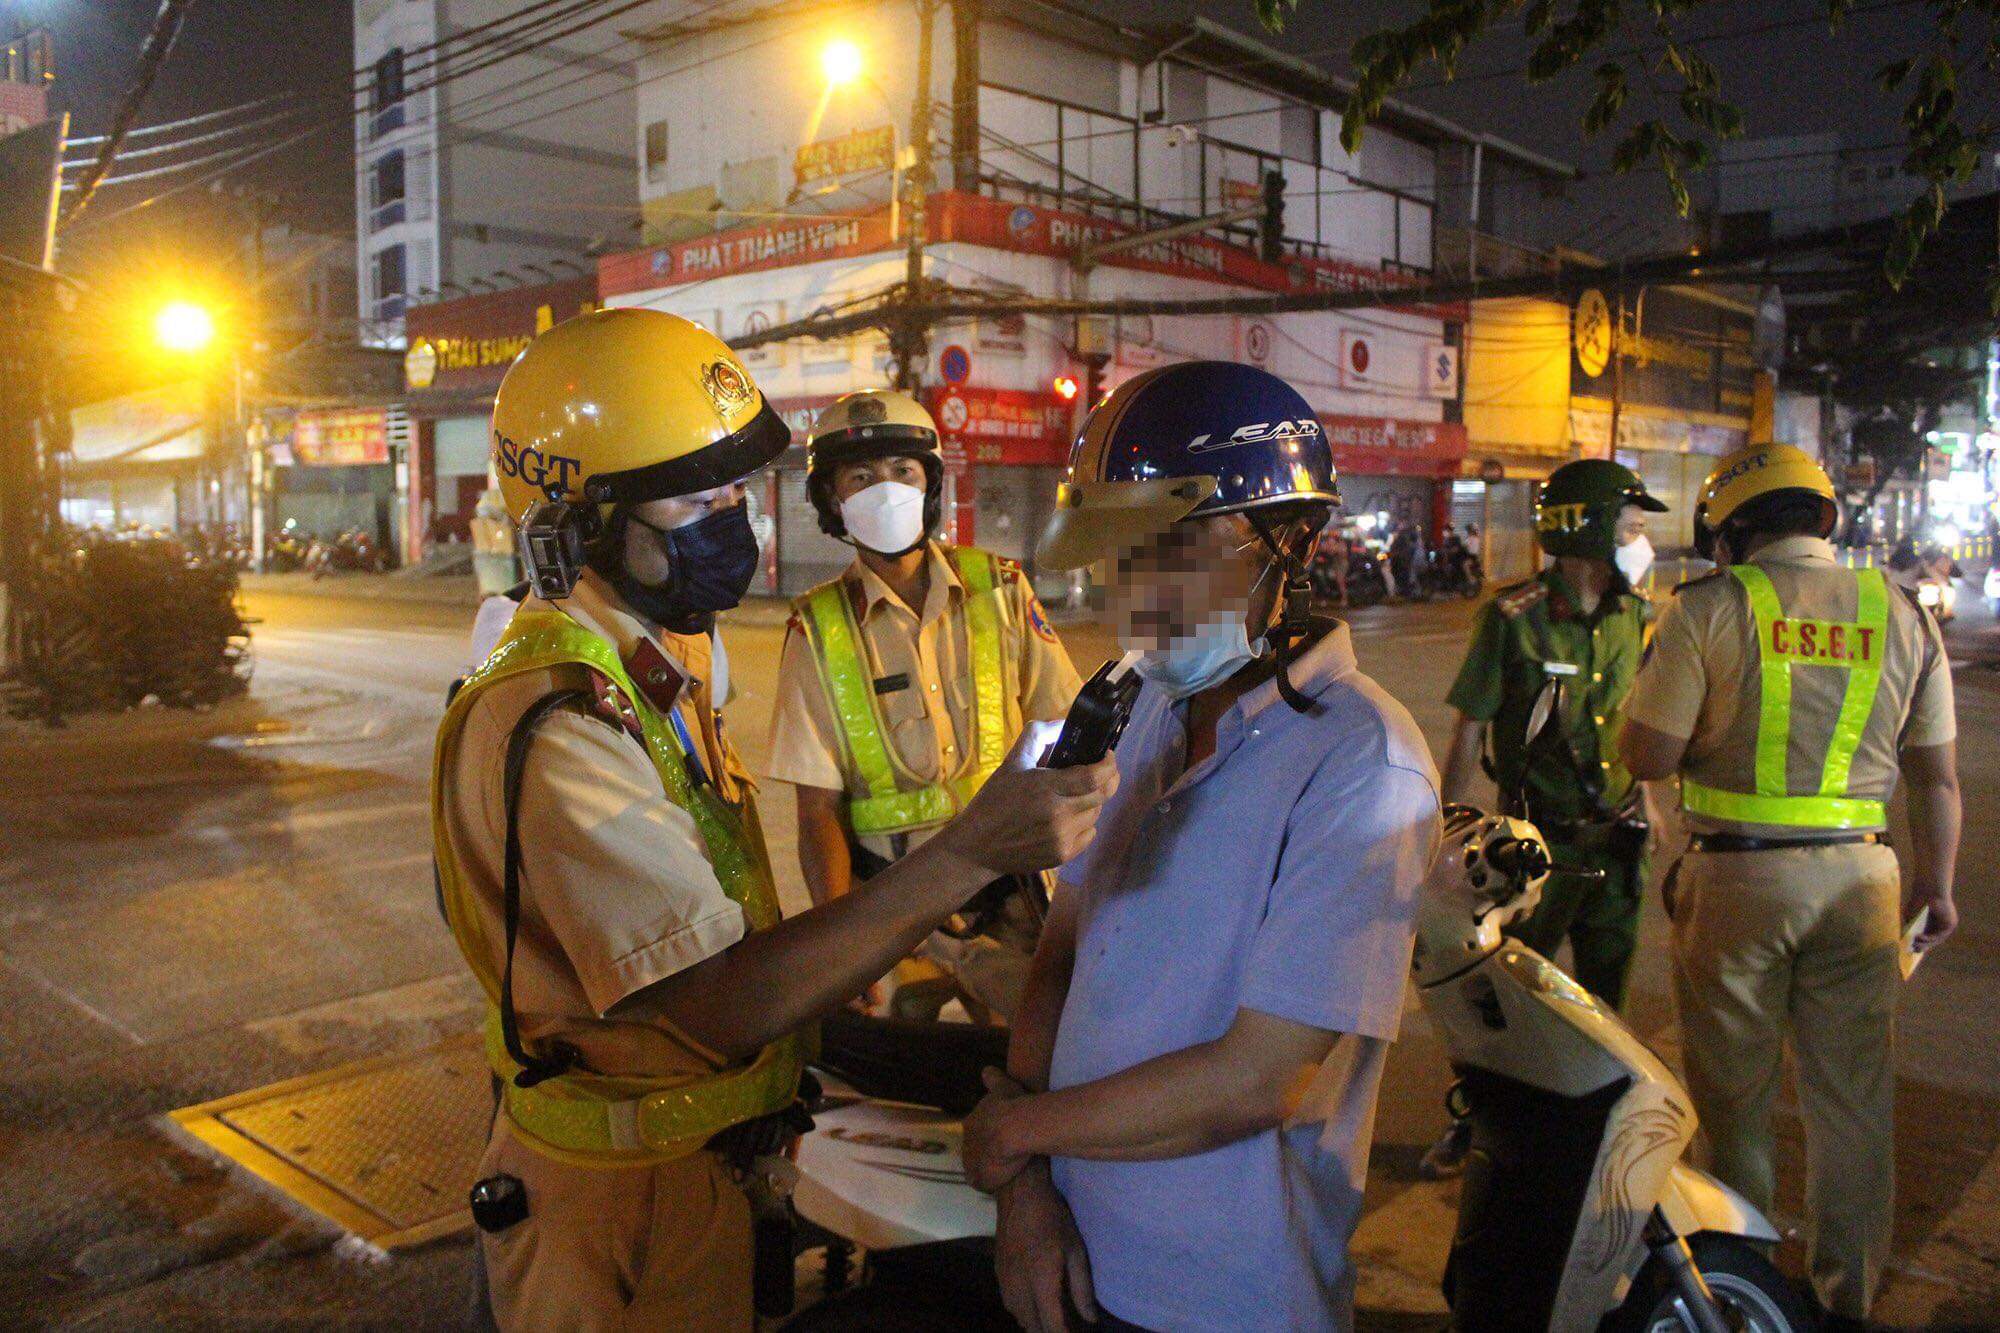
(907, 342)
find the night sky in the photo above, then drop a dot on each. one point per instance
(1789, 79)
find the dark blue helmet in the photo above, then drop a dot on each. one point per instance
(1183, 441)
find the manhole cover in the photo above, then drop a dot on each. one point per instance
(386, 1148)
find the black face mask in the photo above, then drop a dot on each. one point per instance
(710, 565)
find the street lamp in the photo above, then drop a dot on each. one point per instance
(840, 62)
(184, 327)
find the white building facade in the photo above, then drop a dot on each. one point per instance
(492, 148)
(770, 196)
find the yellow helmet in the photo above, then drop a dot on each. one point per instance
(869, 424)
(1750, 474)
(628, 406)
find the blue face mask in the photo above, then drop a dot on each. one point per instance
(1188, 666)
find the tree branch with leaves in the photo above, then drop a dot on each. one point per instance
(1942, 146)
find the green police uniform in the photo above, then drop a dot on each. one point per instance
(1533, 638)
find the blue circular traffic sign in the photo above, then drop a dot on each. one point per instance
(955, 364)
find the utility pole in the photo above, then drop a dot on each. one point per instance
(909, 341)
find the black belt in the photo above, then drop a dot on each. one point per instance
(1737, 842)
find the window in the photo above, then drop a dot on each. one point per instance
(656, 152)
(391, 278)
(385, 93)
(387, 191)
(386, 89)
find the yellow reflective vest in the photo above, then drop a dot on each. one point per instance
(1859, 647)
(897, 801)
(591, 1119)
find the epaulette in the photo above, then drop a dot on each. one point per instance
(608, 703)
(1511, 602)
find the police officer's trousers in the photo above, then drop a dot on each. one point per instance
(617, 1248)
(1798, 944)
(1599, 918)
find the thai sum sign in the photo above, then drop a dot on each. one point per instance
(341, 438)
(863, 150)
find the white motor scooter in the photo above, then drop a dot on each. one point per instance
(1577, 1210)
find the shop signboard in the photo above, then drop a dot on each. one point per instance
(459, 350)
(345, 437)
(954, 216)
(1375, 446)
(1008, 427)
(862, 150)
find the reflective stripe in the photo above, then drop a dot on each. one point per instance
(1773, 801)
(1774, 707)
(1871, 612)
(590, 1119)
(1829, 812)
(889, 807)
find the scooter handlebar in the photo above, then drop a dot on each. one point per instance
(1520, 858)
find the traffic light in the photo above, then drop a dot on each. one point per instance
(1066, 387)
(1271, 227)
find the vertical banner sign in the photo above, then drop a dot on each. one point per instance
(759, 317)
(1440, 370)
(1357, 361)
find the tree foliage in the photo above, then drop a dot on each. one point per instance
(1686, 110)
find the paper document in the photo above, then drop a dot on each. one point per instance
(1906, 953)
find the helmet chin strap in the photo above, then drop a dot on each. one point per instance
(1295, 619)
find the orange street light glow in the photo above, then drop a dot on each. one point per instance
(840, 62)
(183, 326)
(1065, 387)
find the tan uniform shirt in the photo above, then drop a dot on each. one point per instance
(931, 652)
(616, 887)
(1701, 681)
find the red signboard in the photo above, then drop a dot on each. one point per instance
(977, 220)
(463, 347)
(1373, 446)
(1010, 427)
(341, 438)
(744, 250)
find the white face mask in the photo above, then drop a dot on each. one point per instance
(887, 517)
(1634, 558)
(1189, 666)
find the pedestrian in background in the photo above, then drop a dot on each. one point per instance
(1789, 693)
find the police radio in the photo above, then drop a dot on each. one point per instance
(555, 536)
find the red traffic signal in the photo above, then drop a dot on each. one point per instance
(1066, 388)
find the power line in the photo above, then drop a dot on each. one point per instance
(184, 122)
(180, 145)
(159, 44)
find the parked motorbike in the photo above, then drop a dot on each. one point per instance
(289, 548)
(1577, 1209)
(352, 551)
